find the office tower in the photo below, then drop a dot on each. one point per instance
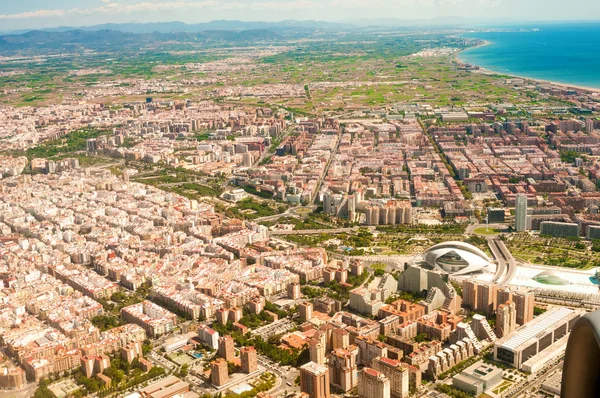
(506, 319)
(373, 384)
(249, 360)
(306, 311)
(226, 348)
(521, 213)
(218, 372)
(524, 303)
(397, 373)
(314, 380)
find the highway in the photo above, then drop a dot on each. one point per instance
(314, 231)
(507, 266)
(512, 264)
(501, 268)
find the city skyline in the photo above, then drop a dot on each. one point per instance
(32, 14)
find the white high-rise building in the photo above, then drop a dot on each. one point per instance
(521, 213)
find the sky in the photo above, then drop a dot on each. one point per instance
(26, 14)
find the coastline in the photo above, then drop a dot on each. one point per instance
(486, 71)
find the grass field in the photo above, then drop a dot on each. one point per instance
(377, 266)
(487, 231)
(561, 252)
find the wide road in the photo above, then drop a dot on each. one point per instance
(266, 152)
(326, 170)
(512, 264)
(314, 231)
(275, 217)
(501, 268)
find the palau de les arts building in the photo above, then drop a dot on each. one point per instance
(456, 258)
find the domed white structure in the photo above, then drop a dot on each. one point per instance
(550, 278)
(457, 258)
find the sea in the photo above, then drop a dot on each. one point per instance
(561, 53)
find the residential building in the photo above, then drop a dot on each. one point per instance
(219, 372)
(506, 319)
(249, 360)
(373, 384)
(225, 350)
(314, 380)
(343, 368)
(398, 374)
(209, 337)
(306, 311)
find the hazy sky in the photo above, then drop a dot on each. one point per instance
(18, 14)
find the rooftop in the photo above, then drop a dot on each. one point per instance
(315, 368)
(536, 327)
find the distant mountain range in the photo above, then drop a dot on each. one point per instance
(288, 25)
(131, 35)
(136, 35)
(181, 27)
(111, 40)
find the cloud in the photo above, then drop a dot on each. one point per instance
(120, 7)
(45, 14)
(115, 7)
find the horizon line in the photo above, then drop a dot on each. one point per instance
(359, 23)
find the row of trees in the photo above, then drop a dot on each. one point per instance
(451, 391)
(284, 356)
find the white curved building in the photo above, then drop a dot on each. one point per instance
(457, 258)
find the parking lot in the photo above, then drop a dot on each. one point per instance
(278, 327)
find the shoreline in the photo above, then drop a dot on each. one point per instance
(486, 71)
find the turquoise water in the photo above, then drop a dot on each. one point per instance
(567, 53)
